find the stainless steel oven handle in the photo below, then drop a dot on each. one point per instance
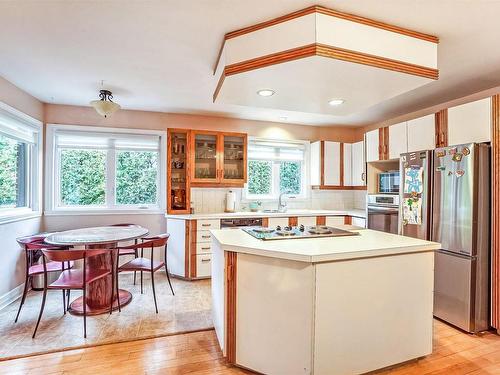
(382, 209)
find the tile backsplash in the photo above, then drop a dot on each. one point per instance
(205, 200)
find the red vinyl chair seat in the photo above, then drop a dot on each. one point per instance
(37, 269)
(73, 279)
(141, 264)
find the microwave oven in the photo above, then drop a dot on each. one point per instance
(388, 182)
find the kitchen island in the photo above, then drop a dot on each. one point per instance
(336, 305)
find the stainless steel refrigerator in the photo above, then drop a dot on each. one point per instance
(453, 209)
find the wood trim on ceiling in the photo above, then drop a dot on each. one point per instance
(317, 49)
(336, 14)
(495, 212)
(231, 278)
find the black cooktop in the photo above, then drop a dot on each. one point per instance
(278, 233)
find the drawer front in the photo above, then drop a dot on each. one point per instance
(307, 221)
(203, 265)
(207, 224)
(203, 248)
(335, 220)
(203, 236)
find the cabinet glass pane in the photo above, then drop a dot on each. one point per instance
(205, 153)
(234, 158)
(178, 171)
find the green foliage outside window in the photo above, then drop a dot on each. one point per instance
(259, 177)
(8, 171)
(290, 177)
(83, 177)
(136, 177)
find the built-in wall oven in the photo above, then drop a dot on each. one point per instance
(383, 212)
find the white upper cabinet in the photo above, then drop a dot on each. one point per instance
(315, 163)
(347, 164)
(397, 140)
(372, 145)
(358, 164)
(421, 133)
(470, 122)
(332, 164)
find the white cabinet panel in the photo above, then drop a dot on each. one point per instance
(358, 164)
(315, 163)
(332, 163)
(275, 221)
(335, 220)
(307, 220)
(347, 164)
(203, 248)
(359, 221)
(176, 246)
(421, 133)
(203, 236)
(470, 122)
(203, 265)
(372, 145)
(397, 140)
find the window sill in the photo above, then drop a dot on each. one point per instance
(79, 212)
(12, 217)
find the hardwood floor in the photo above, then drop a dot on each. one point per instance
(198, 354)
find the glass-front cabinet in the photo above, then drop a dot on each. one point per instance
(218, 158)
(178, 189)
(235, 158)
(206, 163)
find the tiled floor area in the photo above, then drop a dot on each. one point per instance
(455, 353)
(188, 310)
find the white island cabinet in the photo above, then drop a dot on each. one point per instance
(324, 306)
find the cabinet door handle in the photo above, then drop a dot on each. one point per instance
(205, 248)
(205, 236)
(205, 260)
(363, 176)
(206, 225)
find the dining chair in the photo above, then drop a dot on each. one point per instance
(76, 279)
(143, 264)
(125, 252)
(32, 246)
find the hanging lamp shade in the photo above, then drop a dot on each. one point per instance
(105, 106)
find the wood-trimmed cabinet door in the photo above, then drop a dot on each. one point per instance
(178, 171)
(233, 156)
(421, 133)
(205, 157)
(372, 142)
(470, 122)
(332, 163)
(358, 164)
(398, 140)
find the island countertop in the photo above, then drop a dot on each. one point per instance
(368, 243)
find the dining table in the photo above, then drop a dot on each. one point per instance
(107, 237)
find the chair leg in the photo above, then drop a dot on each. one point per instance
(41, 311)
(118, 292)
(68, 293)
(25, 292)
(168, 278)
(64, 300)
(84, 311)
(135, 272)
(153, 286)
(141, 282)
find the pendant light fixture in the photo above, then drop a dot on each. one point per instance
(105, 106)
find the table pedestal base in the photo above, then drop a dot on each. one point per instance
(76, 307)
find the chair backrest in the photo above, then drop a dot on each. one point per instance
(124, 225)
(36, 238)
(70, 255)
(156, 241)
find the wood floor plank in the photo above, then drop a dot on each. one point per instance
(455, 353)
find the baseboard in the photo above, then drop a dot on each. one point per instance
(11, 296)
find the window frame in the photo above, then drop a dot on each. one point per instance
(275, 183)
(52, 180)
(33, 166)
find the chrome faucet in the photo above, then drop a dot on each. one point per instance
(281, 204)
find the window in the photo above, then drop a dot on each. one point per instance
(19, 163)
(275, 168)
(105, 170)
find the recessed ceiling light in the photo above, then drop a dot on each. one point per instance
(265, 92)
(335, 102)
(283, 118)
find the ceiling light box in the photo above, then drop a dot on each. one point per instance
(316, 54)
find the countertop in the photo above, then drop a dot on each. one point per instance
(292, 212)
(368, 243)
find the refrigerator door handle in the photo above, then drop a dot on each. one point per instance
(455, 254)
